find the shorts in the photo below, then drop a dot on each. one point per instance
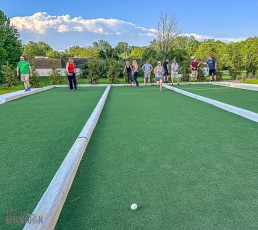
(166, 73)
(147, 75)
(25, 77)
(158, 78)
(174, 75)
(212, 72)
(194, 73)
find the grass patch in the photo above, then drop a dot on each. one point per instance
(37, 132)
(187, 164)
(242, 98)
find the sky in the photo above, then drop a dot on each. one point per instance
(63, 23)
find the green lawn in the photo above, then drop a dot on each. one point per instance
(242, 98)
(251, 81)
(37, 132)
(187, 164)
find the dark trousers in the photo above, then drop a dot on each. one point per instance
(135, 75)
(129, 77)
(72, 81)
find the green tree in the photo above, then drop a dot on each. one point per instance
(34, 79)
(53, 54)
(93, 71)
(105, 49)
(33, 49)
(55, 76)
(10, 44)
(138, 52)
(9, 75)
(84, 52)
(113, 72)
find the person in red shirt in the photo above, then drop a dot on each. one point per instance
(194, 68)
(71, 74)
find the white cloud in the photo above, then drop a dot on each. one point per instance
(42, 22)
(201, 37)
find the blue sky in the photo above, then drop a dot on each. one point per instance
(63, 23)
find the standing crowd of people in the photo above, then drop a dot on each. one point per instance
(161, 72)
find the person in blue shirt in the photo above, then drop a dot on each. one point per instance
(212, 65)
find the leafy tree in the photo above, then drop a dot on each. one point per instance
(53, 54)
(93, 71)
(34, 79)
(84, 52)
(9, 75)
(113, 72)
(33, 49)
(55, 76)
(122, 50)
(10, 44)
(106, 50)
(138, 52)
(200, 74)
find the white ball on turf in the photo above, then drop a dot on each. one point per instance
(134, 207)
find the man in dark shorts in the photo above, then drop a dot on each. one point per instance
(212, 64)
(165, 66)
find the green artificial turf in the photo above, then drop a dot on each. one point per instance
(187, 164)
(246, 99)
(36, 134)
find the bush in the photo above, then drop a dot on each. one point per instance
(9, 78)
(185, 70)
(234, 73)
(200, 75)
(94, 71)
(113, 72)
(55, 76)
(34, 79)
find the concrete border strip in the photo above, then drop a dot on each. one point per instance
(51, 203)
(230, 108)
(18, 95)
(237, 85)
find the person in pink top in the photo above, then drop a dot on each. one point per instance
(194, 68)
(135, 72)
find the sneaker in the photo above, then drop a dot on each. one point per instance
(28, 89)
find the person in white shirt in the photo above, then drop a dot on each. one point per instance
(147, 68)
(174, 72)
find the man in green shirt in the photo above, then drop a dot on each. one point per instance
(24, 69)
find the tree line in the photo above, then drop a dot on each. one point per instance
(239, 58)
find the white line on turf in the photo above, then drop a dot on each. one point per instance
(51, 203)
(230, 108)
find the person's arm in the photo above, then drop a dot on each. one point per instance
(18, 70)
(30, 70)
(215, 65)
(67, 67)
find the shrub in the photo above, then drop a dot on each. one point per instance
(34, 79)
(55, 76)
(9, 78)
(94, 71)
(113, 72)
(200, 75)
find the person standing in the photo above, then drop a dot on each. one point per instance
(194, 68)
(135, 72)
(174, 72)
(147, 68)
(159, 73)
(71, 74)
(212, 65)
(165, 66)
(24, 70)
(128, 69)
